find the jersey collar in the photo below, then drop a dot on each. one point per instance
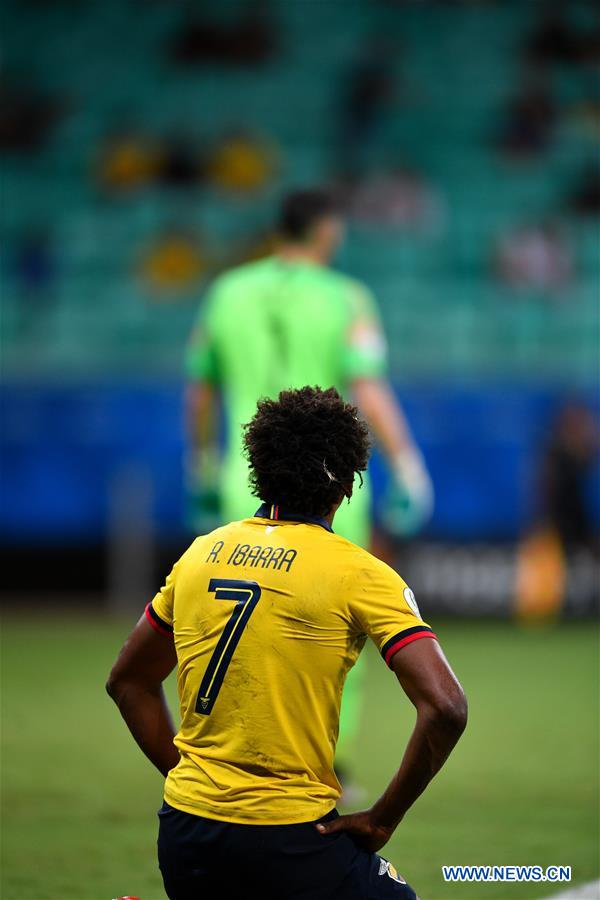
(274, 511)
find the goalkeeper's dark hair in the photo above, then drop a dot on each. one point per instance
(304, 449)
(301, 210)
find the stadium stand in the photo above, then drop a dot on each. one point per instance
(439, 298)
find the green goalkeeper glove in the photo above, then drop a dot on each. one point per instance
(409, 503)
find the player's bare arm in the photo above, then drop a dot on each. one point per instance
(378, 405)
(432, 687)
(135, 684)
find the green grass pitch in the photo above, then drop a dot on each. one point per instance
(79, 800)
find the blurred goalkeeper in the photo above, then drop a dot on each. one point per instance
(283, 322)
(280, 323)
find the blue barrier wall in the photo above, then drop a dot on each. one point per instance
(61, 446)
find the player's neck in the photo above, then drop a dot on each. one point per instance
(302, 253)
(329, 517)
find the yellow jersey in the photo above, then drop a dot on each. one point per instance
(268, 616)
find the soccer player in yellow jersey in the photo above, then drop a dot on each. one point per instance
(280, 323)
(263, 619)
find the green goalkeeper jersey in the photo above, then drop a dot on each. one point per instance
(276, 324)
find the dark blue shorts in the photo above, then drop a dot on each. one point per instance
(203, 858)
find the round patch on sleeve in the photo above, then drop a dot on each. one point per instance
(410, 599)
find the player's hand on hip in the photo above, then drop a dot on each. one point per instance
(367, 833)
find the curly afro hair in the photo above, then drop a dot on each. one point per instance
(304, 449)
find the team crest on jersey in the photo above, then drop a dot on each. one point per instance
(386, 868)
(410, 599)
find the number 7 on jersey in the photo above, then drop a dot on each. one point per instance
(245, 595)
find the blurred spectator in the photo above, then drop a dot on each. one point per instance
(35, 272)
(399, 199)
(248, 41)
(535, 256)
(367, 89)
(128, 161)
(179, 164)
(569, 456)
(564, 522)
(530, 118)
(553, 38)
(174, 262)
(556, 40)
(242, 162)
(26, 116)
(585, 199)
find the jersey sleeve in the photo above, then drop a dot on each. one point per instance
(159, 611)
(365, 349)
(385, 608)
(201, 359)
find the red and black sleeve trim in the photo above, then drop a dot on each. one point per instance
(403, 638)
(157, 623)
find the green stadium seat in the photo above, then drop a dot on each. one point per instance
(444, 315)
